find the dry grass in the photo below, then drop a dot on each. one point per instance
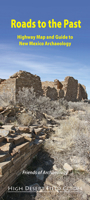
(86, 115)
(25, 119)
(77, 105)
(65, 137)
(72, 126)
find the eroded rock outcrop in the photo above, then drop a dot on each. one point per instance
(70, 86)
(69, 89)
(1, 80)
(18, 146)
(53, 90)
(81, 94)
(50, 92)
(9, 88)
(48, 83)
(60, 93)
(58, 84)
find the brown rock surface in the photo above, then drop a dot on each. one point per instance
(9, 139)
(60, 93)
(8, 127)
(10, 87)
(1, 109)
(52, 89)
(24, 129)
(20, 148)
(19, 139)
(1, 139)
(5, 147)
(4, 166)
(1, 80)
(67, 167)
(3, 157)
(70, 86)
(27, 137)
(50, 92)
(48, 83)
(38, 130)
(81, 94)
(58, 84)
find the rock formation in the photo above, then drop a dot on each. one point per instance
(53, 89)
(60, 93)
(68, 89)
(81, 94)
(58, 84)
(70, 86)
(18, 146)
(9, 88)
(1, 80)
(48, 83)
(50, 92)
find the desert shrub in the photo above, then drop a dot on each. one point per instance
(51, 107)
(72, 126)
(76, 106)
(25, 119)
(10, 119)
(64, 103)
(6, 98)
(72, 133)
(27, 97)
(85, 116)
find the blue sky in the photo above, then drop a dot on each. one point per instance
(48, 62)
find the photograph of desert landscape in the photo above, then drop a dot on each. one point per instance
(44, 100)
(44, 138)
